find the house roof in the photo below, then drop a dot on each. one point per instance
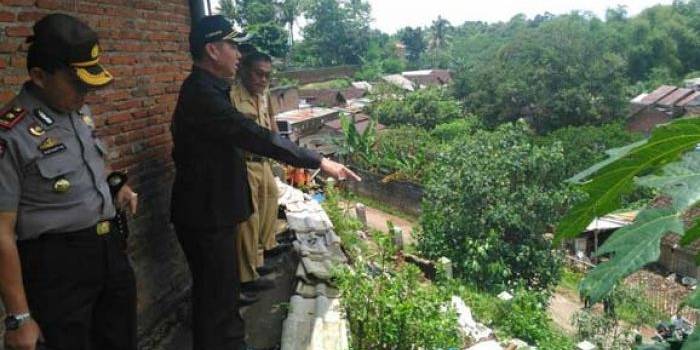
(400, 81)
(674, 97)
(692, 100)
(300, 115)
(612, 221)
(656, 95)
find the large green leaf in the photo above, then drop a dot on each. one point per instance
(632, 247)
(613, 155)
(693, 342)
(615, 179)
(680, 181)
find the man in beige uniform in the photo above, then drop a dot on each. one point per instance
(250, 96)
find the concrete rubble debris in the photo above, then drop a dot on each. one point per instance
(471, 328)
(487, 345)
(518, 344)
(397, 237)
(315, 320)
(445, 266)
(505, 296)
(585, 345)
(361, 212)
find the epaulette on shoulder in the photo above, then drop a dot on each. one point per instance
(10, 115)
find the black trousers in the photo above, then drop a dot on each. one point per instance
(81, 290)
(216, 321)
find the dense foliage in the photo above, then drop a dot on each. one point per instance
(488, 203)
(586, 145)
(424, 108)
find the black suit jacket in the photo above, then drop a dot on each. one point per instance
(211, 188)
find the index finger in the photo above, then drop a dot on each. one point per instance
(352, 174)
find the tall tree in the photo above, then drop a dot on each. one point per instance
(414, 40)
(290, 10)
(337, 32)
(260, 18)
(439, 36)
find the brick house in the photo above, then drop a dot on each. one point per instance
(146, 48)
(660, 106)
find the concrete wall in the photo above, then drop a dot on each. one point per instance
(405, 196)
(284, 98)
(145, 47)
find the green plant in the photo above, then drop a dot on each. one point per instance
(488, 203)
(602, 330)
(525, 317)
(425, 108)
(636, 245)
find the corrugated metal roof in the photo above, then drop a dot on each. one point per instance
(658, 94)
(612, 221)
(671, 99)
(692, 100)
(298, 115)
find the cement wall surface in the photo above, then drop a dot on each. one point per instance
(405, 196)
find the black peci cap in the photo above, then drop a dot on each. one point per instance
(210, 29)
(72, 42)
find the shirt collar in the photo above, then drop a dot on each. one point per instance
(218, 83)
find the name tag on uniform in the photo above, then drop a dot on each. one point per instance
(50, 146)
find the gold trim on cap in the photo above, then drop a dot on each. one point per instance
(86, 63)
(103, 78)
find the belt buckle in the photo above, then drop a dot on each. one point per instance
(102, 228)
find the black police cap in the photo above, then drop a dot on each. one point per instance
(214, 28)
(72, 42)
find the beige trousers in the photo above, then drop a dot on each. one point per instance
(257, 234)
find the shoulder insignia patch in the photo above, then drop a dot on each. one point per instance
(9, 117)
(45, 118)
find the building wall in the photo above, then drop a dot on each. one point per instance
(646, 120)
(284, 99)
(145, 47)
(320, 74)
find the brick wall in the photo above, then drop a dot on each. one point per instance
(145, 47)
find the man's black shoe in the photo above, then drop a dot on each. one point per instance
(258, 285)
(265, 270)
(280, 248)
(247, 298)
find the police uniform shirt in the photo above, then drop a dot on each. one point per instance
(256, 108)
(52, 168)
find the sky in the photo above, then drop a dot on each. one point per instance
(391, 15)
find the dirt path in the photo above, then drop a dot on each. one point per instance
(377, 220)
(562, 310)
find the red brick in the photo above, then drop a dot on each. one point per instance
(118, 118)
(2, 63)
(15, 79)
(21, 31)
(30, 16)
(17, 2)
(19, 62)
(7, 16)
(49, 4)
(6, 96)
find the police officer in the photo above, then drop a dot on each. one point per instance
(64, 279)
(211, 194)
(256, 235)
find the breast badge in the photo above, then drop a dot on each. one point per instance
(50, 146)
(88, 121)
(41, 115)
(36, 130)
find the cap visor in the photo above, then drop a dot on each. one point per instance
(94, 75)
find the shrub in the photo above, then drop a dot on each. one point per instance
(424, 108)
(393, 309)
(488, 202)
(455, 129)
(586, 145)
